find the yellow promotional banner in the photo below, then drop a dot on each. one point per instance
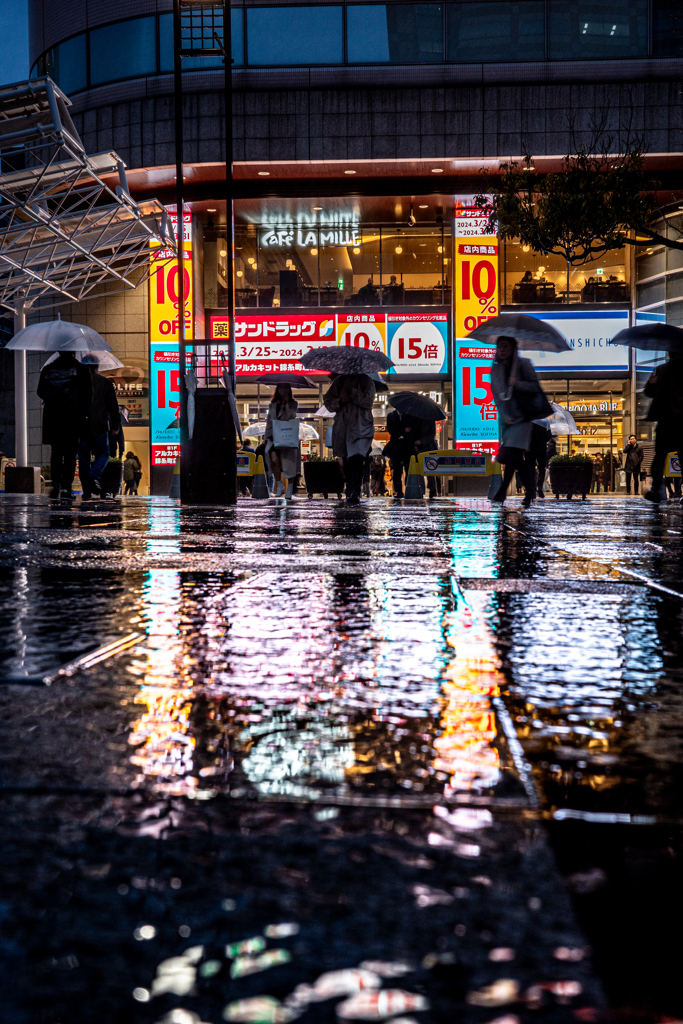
(475, 267)
(163, 289)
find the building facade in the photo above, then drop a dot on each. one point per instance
(354, 126)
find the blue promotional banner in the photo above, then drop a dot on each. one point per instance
(164, 403)
(589, 335)
(476, 416)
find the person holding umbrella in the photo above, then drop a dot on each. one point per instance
(351, 397)
(284, 458)
(419, 415)
(104, 419)
(513, 381)
(66, 389)
(517, 392)
(665, 388)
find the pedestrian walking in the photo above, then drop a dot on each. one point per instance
(420, 436)
(394, 450)
(377, 470)
(351, 397)
(519, 400)
(633, 459)
(284, 458)
(665, 387)
(117, 441)
(130, 469)
(104, 419)
(541, 437)
(597, 477)
(65, 387)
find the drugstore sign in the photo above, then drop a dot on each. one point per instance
(417, 343)
(164, 291)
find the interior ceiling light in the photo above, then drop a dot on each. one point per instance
(356, 250)
(411, 216)
(317, 209)
(264, 174)
(425, 207)
(239, 273)
(437, 170)
(525, 248)
(314, 252)
(223, 252)
(211, 209)
(439, 248)
(349, 172)
(399, 249)
(251, 260)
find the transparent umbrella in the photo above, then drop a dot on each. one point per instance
(308, 433)
(104, 360)
(255, 429)
(58, 336)
(561, 422)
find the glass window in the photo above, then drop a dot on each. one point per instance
(496, 31)
(66, 64)
(650, 265)
(124, 50)
(582, 29)
(189, 63)
(294, 35)
(667, 28)
(394, 32)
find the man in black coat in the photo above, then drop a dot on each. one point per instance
(633, 459)
(394, 450)
(420, 436)
(66, 389)
(104, 419)
(665, 387)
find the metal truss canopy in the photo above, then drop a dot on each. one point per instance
(63, 230)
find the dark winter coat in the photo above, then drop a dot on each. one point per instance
(634, 456)
(104, 413)
(665, 387)
(393, 449)
(65, 387)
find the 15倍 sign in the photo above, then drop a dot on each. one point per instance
(476, 415)
(164, 290)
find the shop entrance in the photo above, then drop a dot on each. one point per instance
(598, 411)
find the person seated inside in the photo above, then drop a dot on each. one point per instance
(368, 294)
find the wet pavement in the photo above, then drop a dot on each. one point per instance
(438, 735)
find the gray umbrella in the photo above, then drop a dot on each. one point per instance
(58, 336)
(656, 337)
(531, 333)
(345, 359)
(413, 404)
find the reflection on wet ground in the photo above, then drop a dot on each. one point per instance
(440, 660)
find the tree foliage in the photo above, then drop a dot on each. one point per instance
(598, 202)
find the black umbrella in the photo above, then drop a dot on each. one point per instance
(345, 359)
(656, 337)
(379, 383)
(412, 404)
(295, 380)
(531, 333)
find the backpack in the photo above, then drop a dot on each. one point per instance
(60, 386)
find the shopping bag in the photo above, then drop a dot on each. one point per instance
(285, 433)
(328, 437)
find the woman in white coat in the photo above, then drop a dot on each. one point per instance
(284, 461)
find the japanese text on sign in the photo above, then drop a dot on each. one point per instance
(475, 268)
(164, 289)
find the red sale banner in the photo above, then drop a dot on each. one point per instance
(275, 343)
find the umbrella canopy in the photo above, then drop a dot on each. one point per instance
(306, 431)
(255, 429)
(345, 359)
(531, 334)
(58, 336)
(412, 404)
(295, 380)
(103, 360)
(656, 337)
(561, 423)
(379, 383)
